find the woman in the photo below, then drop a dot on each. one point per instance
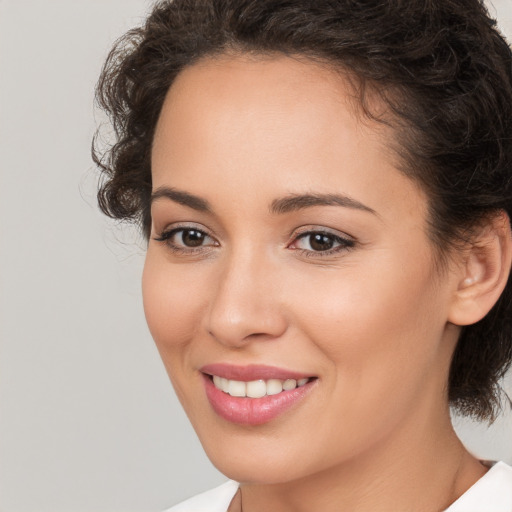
(326, 190)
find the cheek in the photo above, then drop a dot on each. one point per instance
(172, 303)
(376, 324)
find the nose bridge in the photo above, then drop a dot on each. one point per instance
(246, 301)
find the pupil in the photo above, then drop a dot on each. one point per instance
(192, 238)
(321, 242)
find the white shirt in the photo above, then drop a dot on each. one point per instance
(492, 493)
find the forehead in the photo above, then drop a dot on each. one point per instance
(269, 97)
(255, 92)
(271, 123)
(298, 75)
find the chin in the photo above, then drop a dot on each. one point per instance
(257, 457)
(260, 471)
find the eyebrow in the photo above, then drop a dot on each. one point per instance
(182, 197)
(290, 203)
(295, 202)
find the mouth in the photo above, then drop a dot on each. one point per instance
(254, 395)
(257, 388)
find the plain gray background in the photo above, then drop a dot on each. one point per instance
(88, 420)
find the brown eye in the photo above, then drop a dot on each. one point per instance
(321, 241)
(191, 237)
(183, 239)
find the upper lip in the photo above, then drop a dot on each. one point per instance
(251, 372)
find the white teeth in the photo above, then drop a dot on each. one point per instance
(256, 388)
(237, 388)
(289, 384)
(224, 384)
(221, 383)
(274, 386)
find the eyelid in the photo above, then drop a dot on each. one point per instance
(169, 231)
(313, 228)
(183, 225)
(346, 242)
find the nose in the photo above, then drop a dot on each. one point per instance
(245, 305)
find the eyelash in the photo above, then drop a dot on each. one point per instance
(166, 237)
(345, 244)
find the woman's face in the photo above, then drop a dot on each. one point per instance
(287, 248)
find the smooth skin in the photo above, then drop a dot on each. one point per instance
(230, 278)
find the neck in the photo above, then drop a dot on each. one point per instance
(420, 468)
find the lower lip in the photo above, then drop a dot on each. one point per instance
(253, 411)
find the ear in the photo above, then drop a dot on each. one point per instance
(484, 271)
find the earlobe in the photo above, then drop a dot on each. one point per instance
(484, 272)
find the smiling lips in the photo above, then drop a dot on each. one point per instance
(256, 388)
(253, 395)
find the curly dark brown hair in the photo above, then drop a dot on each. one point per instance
(443, 70)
